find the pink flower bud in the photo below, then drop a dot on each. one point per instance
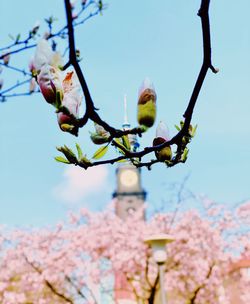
(6, 59)
(50, 82)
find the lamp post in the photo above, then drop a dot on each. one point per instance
(158, 244)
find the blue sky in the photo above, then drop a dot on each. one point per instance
(132, 40)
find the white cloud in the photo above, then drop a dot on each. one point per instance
(78, 184)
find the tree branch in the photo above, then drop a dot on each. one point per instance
(48, 284)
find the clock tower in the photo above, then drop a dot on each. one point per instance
(129, 194)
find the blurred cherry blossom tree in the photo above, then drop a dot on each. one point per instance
(80, 261)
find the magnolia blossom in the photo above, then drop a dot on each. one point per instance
(46, 64)
(71, 101)
(58, 87)
(50, 83)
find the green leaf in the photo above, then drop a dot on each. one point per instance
(18, 38)
(122, 161)
(194, 131)
(185, 155)
(79, 151)
(118, 141)
(126, 142)
(177, 128)
(61, 159)
(100, 152)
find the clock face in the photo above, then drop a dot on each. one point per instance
(129, 178)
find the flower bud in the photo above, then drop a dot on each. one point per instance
(6, 59)
(98, 140)
(101, 136)
(71, 101)
(162, 136)
(49, 80)
(146, 111)
(35, 28)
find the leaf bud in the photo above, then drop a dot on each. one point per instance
(101, 136)
(6, 59)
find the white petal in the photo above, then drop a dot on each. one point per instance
(43, 54)
(146, 84)
(162, 131)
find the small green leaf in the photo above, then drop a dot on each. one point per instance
(185, 155)
(79, 151)
(61, 159)
(100, 152)
(177, 128)
(122, 161)
(126, 142)
(118, 141)
(194, 131)
(18, 38)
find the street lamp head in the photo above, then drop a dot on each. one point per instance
(158, 243)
